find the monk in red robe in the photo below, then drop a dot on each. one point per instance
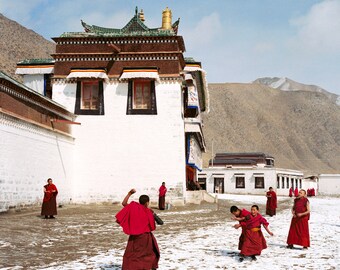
(299, 229)
(271, 202)
(254, 241)
(296, 192)
(241, 216)
(137, 220)
(161, 197)
(49, 205)
(290, 192)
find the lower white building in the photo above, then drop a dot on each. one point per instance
(250, 180)
(249, 173)
(329, 184)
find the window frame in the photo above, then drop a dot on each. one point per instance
(100, 110)
(237, 179)
(257, 178)
(130, 101)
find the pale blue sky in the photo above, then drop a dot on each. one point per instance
(236, 40)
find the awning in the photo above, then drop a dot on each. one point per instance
(195, 128)
(193, 102)
(34, 69)
(139, 73)
(188, 77)
(193, 67)
(239, 174)
(194, 155)
(88, 73)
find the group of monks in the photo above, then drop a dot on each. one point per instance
(252, 241)
(138, 221)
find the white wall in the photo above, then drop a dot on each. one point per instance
(116, 152)
(35, 82)
(329, 184)
(29, 156)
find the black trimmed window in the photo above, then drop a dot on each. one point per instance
(89, 98)
(259, 182)
(240, 182)
(141, 97)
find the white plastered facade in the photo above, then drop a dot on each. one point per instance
(115, 152)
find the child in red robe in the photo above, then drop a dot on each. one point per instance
(138, 221)
(299, 229)
(254, 241)
(241, 216)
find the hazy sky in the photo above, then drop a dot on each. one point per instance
(236, 40)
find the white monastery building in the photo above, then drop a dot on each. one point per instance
(249, 173)
(131, 116)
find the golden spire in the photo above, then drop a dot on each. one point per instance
(166, 19)
(141, 15)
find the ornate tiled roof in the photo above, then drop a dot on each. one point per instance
(135, 27)
(189, 60)
(40, 61)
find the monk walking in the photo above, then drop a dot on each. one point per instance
(161, 197)
(271, 202)
(299, 229)
(49, 205)
(137, 220)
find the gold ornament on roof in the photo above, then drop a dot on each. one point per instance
(166, 19)
(141, 15)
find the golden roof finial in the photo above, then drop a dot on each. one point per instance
(141, 15)
(166, 19)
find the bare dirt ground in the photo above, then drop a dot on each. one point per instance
(29, 242)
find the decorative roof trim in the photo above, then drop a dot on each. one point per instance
(135, 27)
(99, 73)
(16, 121)
(35, 69)
(135, 73)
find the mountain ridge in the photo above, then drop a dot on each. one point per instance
(18, 43)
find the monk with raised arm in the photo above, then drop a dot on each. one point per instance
(138, 221)
(299, 229)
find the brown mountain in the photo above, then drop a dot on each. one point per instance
(18, 43)
(301, 129)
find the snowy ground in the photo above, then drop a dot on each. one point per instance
(203, 238)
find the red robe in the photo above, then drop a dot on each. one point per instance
(254, 241)
(49, 205)
(161, 199)
(290, 192)
(142, 250)
(244, 213)
(271, 203)
(296, 192)
(299, 230)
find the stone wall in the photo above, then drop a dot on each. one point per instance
(29, 156)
